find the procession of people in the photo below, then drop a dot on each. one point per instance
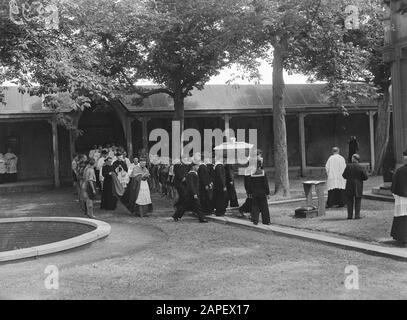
(198, 184)
(206, 186)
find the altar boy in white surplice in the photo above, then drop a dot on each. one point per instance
(335, 166)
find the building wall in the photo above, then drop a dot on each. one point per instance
(265, 136)
(35, 157)
(35, 148)
(65, 171)
(99, 128)
(322, 132)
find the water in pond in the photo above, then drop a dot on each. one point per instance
(18, 235)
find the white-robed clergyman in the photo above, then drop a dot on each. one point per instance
(399, 190)
(335, 166)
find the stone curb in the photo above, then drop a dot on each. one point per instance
(372, 249)
(102, 230)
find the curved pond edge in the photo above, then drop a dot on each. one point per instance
(102, 230)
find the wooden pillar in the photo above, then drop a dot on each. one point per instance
(129, 137)
(72, 134)
(72, 139)
(301, 130)
(227, 118)
(371, 136)
(55, 151)
(144, 131)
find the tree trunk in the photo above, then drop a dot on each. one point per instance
(382, 131)
(179, 114)
(282, 184)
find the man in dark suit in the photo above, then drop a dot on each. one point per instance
(205, 186)
(354, 174)
(246, 207)
(220, 196)
(191, 201)
(258, 188)
(180, 172)
(230, 186)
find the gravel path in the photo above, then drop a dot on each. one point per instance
(156, 258)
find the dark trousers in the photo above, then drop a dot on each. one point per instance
(189, 205)
(246, 207)
(353, 202)
(205, 200)
(98, 184)
(259, 204)
(2, 178)
(232, 198)
(181, 190)
(336, 197)
(220, 201)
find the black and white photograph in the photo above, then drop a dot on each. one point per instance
(203, 155)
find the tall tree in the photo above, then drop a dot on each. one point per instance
(48, 60)
(280, 25)
(348, 56)
(178, 45)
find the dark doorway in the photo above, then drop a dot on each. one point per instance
(100, 126)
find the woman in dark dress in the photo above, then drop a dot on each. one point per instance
(109, 201)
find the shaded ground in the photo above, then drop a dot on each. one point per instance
(156, 258)
(374, 226)
(297, 190)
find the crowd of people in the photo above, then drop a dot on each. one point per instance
(195, 184)
(8, 167)
(204, 187)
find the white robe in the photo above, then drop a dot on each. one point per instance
(335, 166)
(400, 206)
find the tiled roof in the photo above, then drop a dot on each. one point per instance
(228, 97)
(212, 97)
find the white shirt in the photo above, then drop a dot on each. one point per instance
(96, 155)
(334, 167)
(400, 206)
(128, 162)
(100, 163)
(130, 168)
(91, 153)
